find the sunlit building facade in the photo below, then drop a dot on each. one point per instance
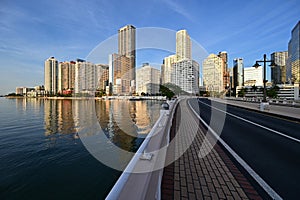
(122, 64)
(226, 77)
(185, 75)
(147, 80)
(120, 72)
(167, 68)
(127, 48)
(253, 76)
(102, 76)
(183, 45)
(278, 72)
(180, 69)
(66, 77)
(212, 70)
(293, 65)
(51, 76)
(85, 77)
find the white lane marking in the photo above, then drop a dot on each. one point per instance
(256, 124)
(255, 176)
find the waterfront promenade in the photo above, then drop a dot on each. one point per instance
(196, 176)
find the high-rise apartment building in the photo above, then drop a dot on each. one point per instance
(183, 51)
(213, 73)
(180, 69)
(231, 83)
(293, 65)
(278, 72)
(66, 77)
(183, 45)
(185, 74)
(85, 77)
(167, 68)
(120, 73)
(147, 79)
(51, 76)
(238, 72)
(226, 77)
(122, 65)
(253, 76)
(126, 41)
(102, 76)
(127, 47)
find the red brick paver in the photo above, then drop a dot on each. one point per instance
(213, 176)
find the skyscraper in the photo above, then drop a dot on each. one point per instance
(238, 72)
(167, 68)
(278, 72)
(293, 66)
(102, 75)
(119, 74)
(126, 46)
(183, 51)
(226, 77)
(51, 76)
(85, 77)
(185, 71)
(180, 69)
(122, 65)
(183, 45)
(66, 77)
(213, 73)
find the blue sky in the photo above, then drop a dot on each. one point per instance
(33, 30)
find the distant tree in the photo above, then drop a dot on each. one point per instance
(273, 92)
(242, 92)
(14, 95)
(165, 91)
(100, 93)
(175, 89)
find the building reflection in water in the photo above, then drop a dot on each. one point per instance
(58, 117)
(108, 129)
(126, 123)
(22, 104)
(113, 130)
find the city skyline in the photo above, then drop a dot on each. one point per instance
(30, 34)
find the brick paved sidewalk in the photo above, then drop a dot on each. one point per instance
(190, 177)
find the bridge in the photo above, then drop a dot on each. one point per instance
(216, 149)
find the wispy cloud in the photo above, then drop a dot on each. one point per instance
(176, 7)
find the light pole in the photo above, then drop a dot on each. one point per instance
(256, 65)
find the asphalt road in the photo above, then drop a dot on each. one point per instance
(269, 145)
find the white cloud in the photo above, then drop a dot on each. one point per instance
(178, 8)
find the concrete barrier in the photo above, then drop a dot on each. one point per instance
(142, 177)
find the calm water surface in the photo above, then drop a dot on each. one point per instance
(42, 154)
